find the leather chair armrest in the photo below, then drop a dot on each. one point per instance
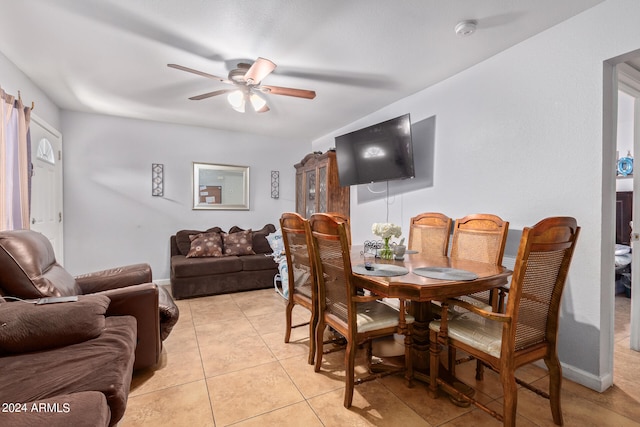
(141, 302)
(114, 278)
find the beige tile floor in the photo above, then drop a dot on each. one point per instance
(225, 363)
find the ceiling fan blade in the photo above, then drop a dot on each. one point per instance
(210, 94)
(279, 90)
(200, 73)
(259, 70)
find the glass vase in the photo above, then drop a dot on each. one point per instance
(385, 252)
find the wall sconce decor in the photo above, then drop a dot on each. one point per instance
(275, 184)
(157, 179)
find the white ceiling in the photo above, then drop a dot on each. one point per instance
(110, 56)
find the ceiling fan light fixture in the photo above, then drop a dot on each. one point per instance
(236, 100)
(247, 80)
(258, 103)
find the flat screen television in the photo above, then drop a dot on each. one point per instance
(381, 152)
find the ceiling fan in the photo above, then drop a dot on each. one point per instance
(247, 79)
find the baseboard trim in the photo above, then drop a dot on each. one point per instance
(587, 379)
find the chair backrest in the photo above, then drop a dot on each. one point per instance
(347, 222)
(28, 267)
(429, 233)
(333, 262)
(539, 277)
(479, 237)
(296, 237)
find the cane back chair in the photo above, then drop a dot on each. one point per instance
(482, 238)
(302, 282)
(429, 233)
(358, 318)
(527, 331)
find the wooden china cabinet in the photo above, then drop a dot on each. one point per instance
(317, 186)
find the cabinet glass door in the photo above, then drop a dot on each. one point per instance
(322, 189)
(310, 204)
(300, 197)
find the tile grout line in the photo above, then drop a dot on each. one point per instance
(204, 373)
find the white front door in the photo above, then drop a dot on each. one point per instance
(46, 183)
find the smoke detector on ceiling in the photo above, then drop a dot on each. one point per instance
(466, 28)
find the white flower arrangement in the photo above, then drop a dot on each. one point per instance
(386, 230)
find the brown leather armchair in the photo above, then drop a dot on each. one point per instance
(28, 269)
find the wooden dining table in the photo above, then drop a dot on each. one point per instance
(421, 291)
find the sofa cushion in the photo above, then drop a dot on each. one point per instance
(103, 364)
(194, 267)
(83, 409)
(238, 243)
(26, 327)
(183, 240)
(205, 245)
(258, 262)
(259, 238)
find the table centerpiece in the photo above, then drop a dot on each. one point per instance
(386, 230)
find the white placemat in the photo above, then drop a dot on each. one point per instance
(445, 273)
(386, 270)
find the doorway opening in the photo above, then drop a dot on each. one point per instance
(621, 94)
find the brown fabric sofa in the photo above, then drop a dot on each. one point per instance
(212, 275)
(28, 269)
(64, 364)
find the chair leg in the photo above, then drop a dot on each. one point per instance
(555, 384)
(319, 344)
(349, 364)
(510, 390)
(451, 361)
(288, 314)
(479, 371)
(313, 325)
(434, 363)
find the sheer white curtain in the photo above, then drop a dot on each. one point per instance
(15, 161)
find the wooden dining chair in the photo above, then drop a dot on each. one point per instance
(359, 319)
(482, 238)
(527, 331)
(429, 233)
(347, 221)
(302, 288)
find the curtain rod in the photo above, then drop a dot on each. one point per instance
(33, 105)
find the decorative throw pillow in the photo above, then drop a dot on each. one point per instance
(205, 245)
(239, 243)
(183, 240)
(259, 238)
(26, 327)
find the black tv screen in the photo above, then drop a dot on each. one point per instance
(381, 152)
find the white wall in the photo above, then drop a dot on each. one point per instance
(111, 217)
(13, 80)
(520, 135)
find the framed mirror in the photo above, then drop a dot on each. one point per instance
(220, 187)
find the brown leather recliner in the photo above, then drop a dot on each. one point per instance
(28, 269)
